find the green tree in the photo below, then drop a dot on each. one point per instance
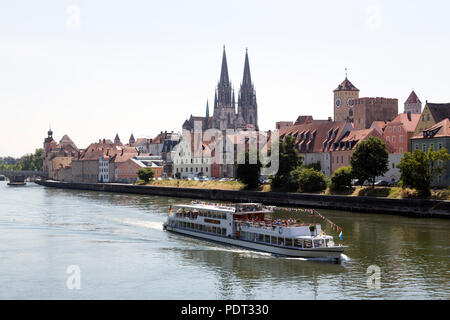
(370, 159)
(249, 173)
(419, 169)
(342, 179)
(310, 180)
(315, 165)
(289, 160)
(146, 174)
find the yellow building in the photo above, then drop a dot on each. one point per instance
(432, 113)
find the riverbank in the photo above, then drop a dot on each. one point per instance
(406, 207)
(355, 191)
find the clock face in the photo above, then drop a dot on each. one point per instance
(338, 103)
(350, 102)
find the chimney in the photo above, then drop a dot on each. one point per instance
(409, 115)
(104, 140)
(121, 153)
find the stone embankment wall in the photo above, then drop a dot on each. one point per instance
(407, 207)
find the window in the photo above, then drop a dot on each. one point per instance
(429, 118)
(393, 165)
(424, 147)
(387, 138)
(393, 139)
(440, 146)
(400, 139)
(401, 150)
(416, 146)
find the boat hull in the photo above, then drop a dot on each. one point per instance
(327, 253)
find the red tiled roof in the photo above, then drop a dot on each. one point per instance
(315, 136)
(413, 98)
(346, 85)
(409, 123)
(442, 130)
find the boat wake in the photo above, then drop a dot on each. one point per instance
(140, 223)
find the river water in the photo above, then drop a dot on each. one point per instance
(114, 247)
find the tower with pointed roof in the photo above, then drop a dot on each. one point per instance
(413, 104)
(207, 110)
(117, 139)
(224, 114)
(344, 100)
(247, 107)
(131, 141)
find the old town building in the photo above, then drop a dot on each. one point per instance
(437, 137)
(57, 155)
(361, 111)
(127, 171)
(399, 132)
(432, 113)
(315, 141)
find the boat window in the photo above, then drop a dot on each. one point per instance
(260, 237)
(318, 243)
(224, 231)
(298, 243)
(267, 239)
(274, 240)
(288, 242)
(280, 241)
(308, 243)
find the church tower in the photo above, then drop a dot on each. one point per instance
(247, 107)
(344, 99)
(224, 114)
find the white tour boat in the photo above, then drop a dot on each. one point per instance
(245, 225)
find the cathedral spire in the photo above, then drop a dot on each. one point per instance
(247, 80)
(207, 109)
(224, 80)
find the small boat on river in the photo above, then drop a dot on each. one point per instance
(245, 225)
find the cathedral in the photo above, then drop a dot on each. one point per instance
(224, 115)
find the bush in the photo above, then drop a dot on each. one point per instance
(342, 179)
(145, 174)
(310, 180)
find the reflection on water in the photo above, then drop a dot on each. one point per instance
(118, 242)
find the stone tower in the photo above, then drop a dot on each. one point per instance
(117, 139)
(344, 100)
(224, 114)
(247, 106)
(413, 104)
(131, 141)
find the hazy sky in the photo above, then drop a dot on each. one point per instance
(145, 66)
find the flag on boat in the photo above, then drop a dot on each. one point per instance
(340, 235)
(170, 210)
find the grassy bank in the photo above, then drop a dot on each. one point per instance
(382, 192)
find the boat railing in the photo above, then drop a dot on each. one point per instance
(270, 224)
